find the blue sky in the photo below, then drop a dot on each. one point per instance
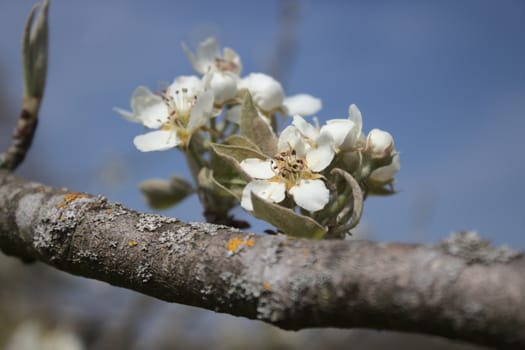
(446, 78)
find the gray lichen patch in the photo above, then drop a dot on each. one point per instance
(176, 240)
(144, 272)
(474, 249)
(57, 220)
(84, 254)
(152, 222)
(210, 229)
(109, 211)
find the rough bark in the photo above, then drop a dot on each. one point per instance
(461, 289)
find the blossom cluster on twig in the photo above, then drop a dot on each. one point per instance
(307, 180)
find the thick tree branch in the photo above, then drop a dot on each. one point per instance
(462, 289)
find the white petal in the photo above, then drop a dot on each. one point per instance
(267, 92)
(305, 128)
(190, 82)
(159, 140)
(386, 173)
(354, 114)
(224, 86)
(320, 157)
(290, 138)
(268, 190)
(302, 104)
(194, 62)
(130, 117)
(207, 52)
(147, 108)
(340, 130)
(257, 168)
(311, 195)
(233, 114)
(201, 112)
(232, 56)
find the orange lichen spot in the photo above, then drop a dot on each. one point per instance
(132, 244)
(109, 211)
(70, 197)
(236, 243)
(267, 287)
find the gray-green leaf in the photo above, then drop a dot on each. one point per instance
(254, 128)
(286, 219)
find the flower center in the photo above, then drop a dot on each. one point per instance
(290, 169)
(179, 106)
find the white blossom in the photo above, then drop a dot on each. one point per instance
(147, 108)
(210, 58)
(223, 68)
(268, 95)
(326, 140)
(184, 107)
(354, 139)
(290, 171)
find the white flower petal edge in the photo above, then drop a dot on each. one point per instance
(386, 173)
(192, 83)
(302, 104)
(147, 108)
(305, 128)
(206, 54)
(209, 58)
(224, 86)
(201, 112)
(340, 130)
(268, 190)
(320, 157)
(311, 195)
(159, 140)
(257, 168)
(291, 138)
(354, 114)
(267, 92)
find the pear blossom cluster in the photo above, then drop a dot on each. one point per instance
(304, 178)
(188, 103)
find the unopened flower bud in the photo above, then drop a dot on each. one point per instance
(386, 173)
(379, 143)
(267, 92)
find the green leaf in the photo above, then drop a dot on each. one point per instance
(208, 181)
(355, 206)
(236, 154)
(254, 128)
(237, 140)
(162, 194)
(286, 219)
